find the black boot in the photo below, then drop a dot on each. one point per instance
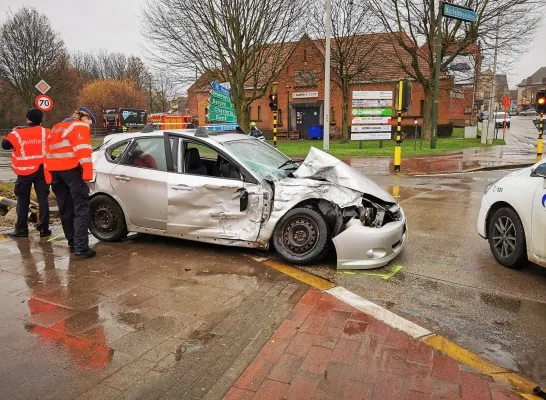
(85, 254)
(45, 232)
(18, 234)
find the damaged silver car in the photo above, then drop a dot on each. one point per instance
(232, 189)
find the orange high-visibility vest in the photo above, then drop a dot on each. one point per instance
(67, 146)
(28, 149)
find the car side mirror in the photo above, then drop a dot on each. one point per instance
(244, 199)
(539, 171)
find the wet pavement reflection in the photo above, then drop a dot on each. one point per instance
(147, 317)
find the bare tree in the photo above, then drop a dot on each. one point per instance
(243, 42)
(163, 92)
(414, 27)
(352, 47)
(30, 50)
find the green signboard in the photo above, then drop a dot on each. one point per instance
(384, 112)
(221, 117)
(221, 110)
(220, 95)
(213, 101)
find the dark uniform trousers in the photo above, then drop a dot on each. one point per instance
(23, 187)
(73, 200)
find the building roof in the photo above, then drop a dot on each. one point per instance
(537, 77)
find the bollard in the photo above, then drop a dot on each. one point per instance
(275, 128)
(539, 141)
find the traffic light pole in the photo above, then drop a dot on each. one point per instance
(539, 141)
(398, 145)
(275, 128)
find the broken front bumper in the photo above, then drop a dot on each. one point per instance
(362, 247)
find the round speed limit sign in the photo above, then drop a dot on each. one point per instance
(43, 102)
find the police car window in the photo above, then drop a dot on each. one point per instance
(114, 152)
(147, 153)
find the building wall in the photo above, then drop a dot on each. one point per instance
(307, 57)
(460, 110)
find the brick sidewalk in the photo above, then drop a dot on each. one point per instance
(327, 349)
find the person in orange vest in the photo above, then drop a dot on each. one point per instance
(68, 167)
(27, 158)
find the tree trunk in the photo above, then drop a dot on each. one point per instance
(345, 113)
(427, 114)
(240, 104)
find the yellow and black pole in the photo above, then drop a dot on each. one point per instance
(274, 106)
(540, 108)
(398, 145)
(539, 141)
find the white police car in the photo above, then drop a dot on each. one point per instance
(513, 217)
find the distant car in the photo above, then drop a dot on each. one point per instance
(499, 119)
(528, 112)
(235, 190)
(513, 217)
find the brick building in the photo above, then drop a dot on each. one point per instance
(529, 87)
(301, 88)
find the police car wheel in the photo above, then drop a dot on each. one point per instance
(107, 219)
(507, 238)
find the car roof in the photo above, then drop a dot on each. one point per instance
(210, 136)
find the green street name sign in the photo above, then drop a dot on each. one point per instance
(221, 110)
(384, 112)
(220, 95)
(221, 117)
(213, 101)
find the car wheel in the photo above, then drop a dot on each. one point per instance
(107, 219)
(507, 238)
(301, 236)
(508, 125)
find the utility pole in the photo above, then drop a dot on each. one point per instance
(326, 136)
(437, 75)
(492, 95)
(288, 111)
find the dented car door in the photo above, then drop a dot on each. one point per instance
(200, 205)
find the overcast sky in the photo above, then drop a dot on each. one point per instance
(115, 25)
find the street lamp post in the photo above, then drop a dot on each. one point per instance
(288, 111)
(326, 136)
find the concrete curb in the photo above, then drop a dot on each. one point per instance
(521, 385)
(470, 170)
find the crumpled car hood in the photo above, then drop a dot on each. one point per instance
(319, 165)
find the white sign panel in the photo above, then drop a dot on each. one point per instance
(304, 95)
(371, 120)
(372, 103)
(371, 136)
(43, 86)
(372, 95)
(370, 128)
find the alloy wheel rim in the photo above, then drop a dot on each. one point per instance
(504, 237)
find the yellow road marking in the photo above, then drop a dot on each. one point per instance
(499, 374)
(387, 276)
(300, 275)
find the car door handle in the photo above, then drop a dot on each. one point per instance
(182, 187)
(122, 178)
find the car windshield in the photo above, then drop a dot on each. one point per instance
(261, 158)
(500, 115)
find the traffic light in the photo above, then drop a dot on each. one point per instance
(403, 100)
(273, 102)
(541, 102)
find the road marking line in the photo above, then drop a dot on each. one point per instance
(306, 277)
(378, 312)
(53, 239)
(522, 386)
(386, 277)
